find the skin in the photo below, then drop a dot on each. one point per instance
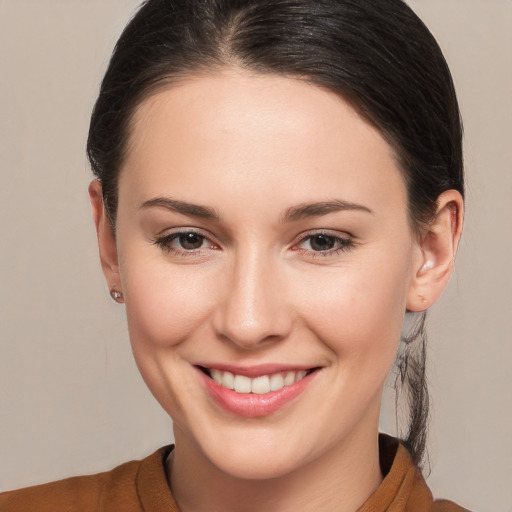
(258, 290)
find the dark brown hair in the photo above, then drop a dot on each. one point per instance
(377, 55)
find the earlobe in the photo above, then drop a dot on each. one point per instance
(106, 238)
(438, 247)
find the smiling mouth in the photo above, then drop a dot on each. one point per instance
(259, 385)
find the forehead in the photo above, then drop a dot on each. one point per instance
(250, 134)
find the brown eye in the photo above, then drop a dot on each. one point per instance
(322, 242)
(184, 243)
(325, 244)
(190, 241)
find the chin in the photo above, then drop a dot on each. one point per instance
(255, 453)
(255, 463)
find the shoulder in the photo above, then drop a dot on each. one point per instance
(403, 486)
(77, 493)
(112, 490)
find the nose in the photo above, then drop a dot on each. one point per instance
(253, 310)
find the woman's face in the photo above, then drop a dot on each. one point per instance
(263, 242)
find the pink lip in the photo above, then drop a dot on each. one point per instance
(253, 405)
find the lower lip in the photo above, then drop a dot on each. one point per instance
(253, 405)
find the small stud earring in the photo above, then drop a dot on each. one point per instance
(116, 295)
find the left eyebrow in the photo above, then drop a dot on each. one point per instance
(305, 210)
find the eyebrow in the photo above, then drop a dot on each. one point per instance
(321, 208)
(292, 214)
(182, 207)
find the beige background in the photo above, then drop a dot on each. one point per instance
(71, 399)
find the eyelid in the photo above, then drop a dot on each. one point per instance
(168, 232)
(183, 229)
(343, 235)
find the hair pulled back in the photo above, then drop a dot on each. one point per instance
(377, 55)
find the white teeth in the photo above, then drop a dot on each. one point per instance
(258, 385)
(276, 382)
(242, 384)
(289, 378)
(300, 375)
(228, 380)
(217, 376)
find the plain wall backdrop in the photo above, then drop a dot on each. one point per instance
(72, 401)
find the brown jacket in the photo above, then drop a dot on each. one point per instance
(139, 486)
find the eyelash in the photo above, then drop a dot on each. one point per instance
(343, 244)
(166, 243)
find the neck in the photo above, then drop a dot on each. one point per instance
(340, 481)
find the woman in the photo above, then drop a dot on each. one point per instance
(278, 184)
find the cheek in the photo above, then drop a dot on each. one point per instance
(358, 312)
(164, 302)
(165, 306)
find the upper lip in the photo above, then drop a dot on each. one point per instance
(256, 370)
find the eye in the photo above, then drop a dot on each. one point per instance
(190, 241)
(324, 244)
(184, 242)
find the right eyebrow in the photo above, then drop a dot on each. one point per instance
(182, 207)
(306, 210)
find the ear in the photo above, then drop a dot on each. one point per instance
(106, 238)
(437, 250)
